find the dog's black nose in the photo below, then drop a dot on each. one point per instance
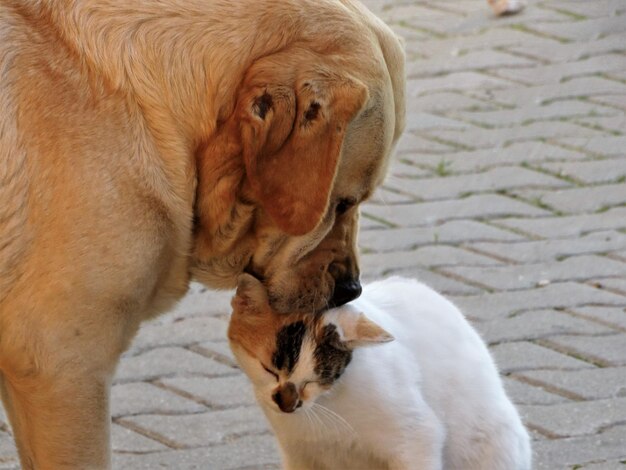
(345, 291)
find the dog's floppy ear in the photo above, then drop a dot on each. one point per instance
(292, 130)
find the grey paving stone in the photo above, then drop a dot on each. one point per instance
(446, 100)
(576, 418)
(385, 197)
(607, 146)
(568, 226)
(521, 356)
(575, 88)
(514, 154)
(619, 254)
(405, 183)
(535, 111)
(536, 324)
(576, 200)
(217, 392)
(412, 143)
(453, 46)
(561, 295)
(590, 384)
(371, 223)
(615, 465)
(478, 19)
(456, 82)
(585, 30)
(559, 52)
(144, 398)
(512, 277)
(8, 452)
(125, 440)
(610, 349)
(537, 251)
(423, 121)
(615, 101)
(199, 301)
(596, 9)
(565, 453)
(456, 231)
(616, 124)
(164, 362)
(615, 316)
(614, 284)
(443, 284)
(202, 429)
(555, 73)
(218, 350)
(523, 394)
(474, 60)
(411, 12)
(182, 332)
(404, 168)
(251, 452)
(380, 264)
(4, 422)
(491, 180)
(497, 137)
(595, 171)
(430, 213)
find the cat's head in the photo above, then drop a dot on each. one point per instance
(293, 359)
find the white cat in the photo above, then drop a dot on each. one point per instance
(424, 395)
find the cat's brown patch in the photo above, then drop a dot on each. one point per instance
(288, 344)
(331, 355)
(257, 329)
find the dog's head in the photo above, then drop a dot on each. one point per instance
(280, 183)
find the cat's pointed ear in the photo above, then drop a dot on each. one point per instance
(251, 294)
(358, 330)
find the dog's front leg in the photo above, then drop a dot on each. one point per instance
(61, 421)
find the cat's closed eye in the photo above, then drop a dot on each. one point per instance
(271, 372)
(308, 382)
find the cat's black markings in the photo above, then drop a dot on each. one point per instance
(288, 343)
(331, 356)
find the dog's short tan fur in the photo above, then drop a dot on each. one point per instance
(142, 143)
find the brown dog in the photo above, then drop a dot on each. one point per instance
(141, 143)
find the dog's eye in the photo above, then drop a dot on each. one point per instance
(271, 372)
(344, 204)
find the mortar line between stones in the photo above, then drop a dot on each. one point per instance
(596, 320)
(148, 434)
(546, 386)
(572, 352)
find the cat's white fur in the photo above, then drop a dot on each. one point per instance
(430, 400)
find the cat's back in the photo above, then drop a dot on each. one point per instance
(415, 314)
(456, 375)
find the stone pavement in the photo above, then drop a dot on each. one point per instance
(508, 194)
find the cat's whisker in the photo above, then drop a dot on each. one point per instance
(334, 417)
(312, 425)
(319, 425)
(338, 427)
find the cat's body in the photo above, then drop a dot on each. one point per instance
(430, 399)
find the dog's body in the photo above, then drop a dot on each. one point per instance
(141, 143)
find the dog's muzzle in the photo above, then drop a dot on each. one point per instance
(346, 290)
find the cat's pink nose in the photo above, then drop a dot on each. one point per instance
(287, 399)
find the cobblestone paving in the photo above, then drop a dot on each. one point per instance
(508, 194)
